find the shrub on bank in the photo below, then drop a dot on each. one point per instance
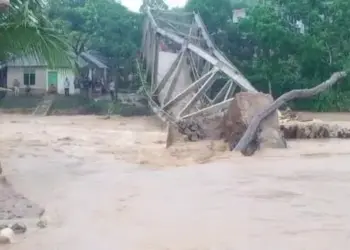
(73, 105)
(68, 105)
(20, 104)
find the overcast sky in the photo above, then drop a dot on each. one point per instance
(134, 5)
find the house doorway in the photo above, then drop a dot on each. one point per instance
(52, 80)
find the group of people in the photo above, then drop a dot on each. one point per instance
(66, 84)
(99, 86)
(83, 83)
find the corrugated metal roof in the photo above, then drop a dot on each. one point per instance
(28, 61)
(94, 60)
(81, 62)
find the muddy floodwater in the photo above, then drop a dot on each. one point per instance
(111, 184)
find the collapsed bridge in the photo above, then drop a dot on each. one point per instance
(191, 80)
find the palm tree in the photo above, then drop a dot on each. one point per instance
(25, 31)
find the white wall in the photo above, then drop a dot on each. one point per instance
(61, 76)
(18, 73)
(41, 79)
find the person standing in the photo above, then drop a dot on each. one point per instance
(112, 89)
(66, 86)
(16, 84)
(103, 87)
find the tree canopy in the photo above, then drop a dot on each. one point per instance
(286, 43)
(105, 26)
(25, 30)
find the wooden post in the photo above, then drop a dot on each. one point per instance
(155, 62)
(169, 135)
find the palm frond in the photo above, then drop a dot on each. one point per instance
(24, 32)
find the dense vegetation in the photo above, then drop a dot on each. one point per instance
(271, 50)
(25, 30)
(105, 26)
(267, 46)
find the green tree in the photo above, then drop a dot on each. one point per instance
(75, 19)
(158, 4)
(270, 48)
(25, 30)
(101, 25)
(216, 14)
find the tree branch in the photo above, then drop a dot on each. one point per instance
(251, 131)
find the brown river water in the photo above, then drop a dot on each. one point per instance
(111, 184)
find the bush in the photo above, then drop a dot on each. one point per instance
(64, 104)
(78, 104)
(133, 110)
(20, 102)
(69, 102)
(97, 108)
(74, 105)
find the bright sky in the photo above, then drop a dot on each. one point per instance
(134, 5)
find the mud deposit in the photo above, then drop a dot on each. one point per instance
(111, 184)
(14, 206)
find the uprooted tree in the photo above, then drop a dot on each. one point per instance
(248, 142)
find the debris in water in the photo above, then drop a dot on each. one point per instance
(6, 236)
(19, 228)
(42, 223)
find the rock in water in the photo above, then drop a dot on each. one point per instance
(19, 228)
(6, 236)
(42, 223)
(240, 113)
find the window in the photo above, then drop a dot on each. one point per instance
(29, 78)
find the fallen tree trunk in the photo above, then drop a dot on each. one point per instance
(250, 134)
(240, 114)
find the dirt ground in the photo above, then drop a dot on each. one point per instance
(111, 184)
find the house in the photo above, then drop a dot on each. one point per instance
(29, 71)
(238, 14)
(92, 66)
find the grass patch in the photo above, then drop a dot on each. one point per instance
(19, 102)
(128, 110)
(77, 104)
(69, 102)
(121, 109)
(73, 105)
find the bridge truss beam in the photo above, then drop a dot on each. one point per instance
(184, 89)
